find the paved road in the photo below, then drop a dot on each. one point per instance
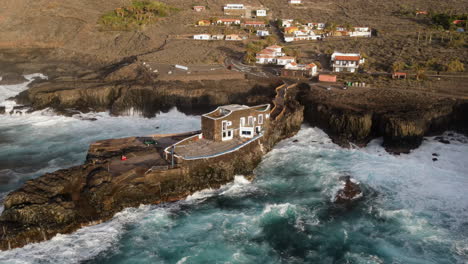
(262, 72)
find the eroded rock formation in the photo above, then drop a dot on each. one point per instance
(401, 119)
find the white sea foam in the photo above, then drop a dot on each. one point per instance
(7, 91)
(81, 245)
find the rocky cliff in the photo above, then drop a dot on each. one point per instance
(65, 200)
(401, 118)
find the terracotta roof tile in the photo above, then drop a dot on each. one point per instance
(347, 58)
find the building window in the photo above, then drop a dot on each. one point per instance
(224, 125)
(250, 121)
(260, 119)
(246, 133)
(242, 121)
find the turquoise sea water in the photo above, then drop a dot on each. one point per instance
(414, 209)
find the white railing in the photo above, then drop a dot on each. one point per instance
(224, 152)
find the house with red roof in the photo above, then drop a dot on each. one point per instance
(254, 24)
(346, 62)
(269, 55)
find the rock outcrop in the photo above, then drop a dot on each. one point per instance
(349, 191)
(65, 200)
(12, 78)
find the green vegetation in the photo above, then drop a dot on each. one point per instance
(251, 49)
(446, 21)
(140, 12)
(455, 66)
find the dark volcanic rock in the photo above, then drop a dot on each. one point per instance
(442, 140)
(20, 109)
(12, 78)
(402, 126)
(350, 191)
(2, 110)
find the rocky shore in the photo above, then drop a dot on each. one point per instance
(65, 200)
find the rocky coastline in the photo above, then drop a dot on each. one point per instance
(65, 200)
(402, 125)
(68, 199)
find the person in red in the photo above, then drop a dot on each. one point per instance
(123, 157)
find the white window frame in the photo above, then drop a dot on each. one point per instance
(250, 121)
(260, 119)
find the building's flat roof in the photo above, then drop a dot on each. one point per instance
(234, 107)
(225, 110)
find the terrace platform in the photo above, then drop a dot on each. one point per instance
(206, 148)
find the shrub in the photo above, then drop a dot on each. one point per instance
(455, 66)
(140, 12)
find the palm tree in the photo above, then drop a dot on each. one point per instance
(419, 69)
(398, 66)
(330, 27)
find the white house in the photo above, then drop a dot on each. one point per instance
(263, 33)
(298, 35)
(254, 24)
(295, 2)
(233, 37)
(234, 6)
(261, 12)
(269, 55)
(346, 62)
(361, 32)
(314, 25)
(293, 69)
(284, 60)
(202, 36)
(228, 21)
(287, 22)
(217, 37)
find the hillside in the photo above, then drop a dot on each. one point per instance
(69, 30)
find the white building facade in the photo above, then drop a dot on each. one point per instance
(346, 62)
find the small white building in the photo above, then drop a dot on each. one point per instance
(295, 2)
(299, 70)
(228, 21)
(217, 37)
(261, 12)
(284, 60)
(299, 35)
(233, 37)
(346, 62)
(263, 33)
(319, 26)
(361, 32)
(254, 24)
(287, 22)
(234, 6)
(269, 55)
(265, 59)
(202, 37)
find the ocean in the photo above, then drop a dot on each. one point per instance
(414, 209)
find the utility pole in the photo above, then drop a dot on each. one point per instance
(172, 156)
